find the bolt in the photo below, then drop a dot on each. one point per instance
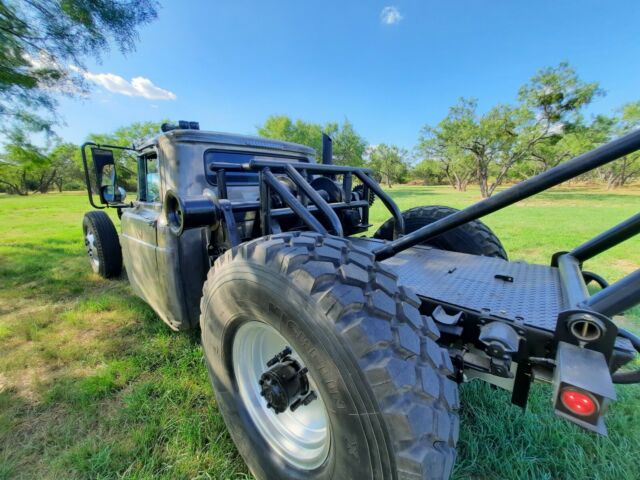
(279, 356)
(309, 398)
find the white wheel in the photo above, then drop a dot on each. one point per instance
(92, 251)
(302, 436)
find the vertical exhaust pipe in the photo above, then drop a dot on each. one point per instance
(327, 150)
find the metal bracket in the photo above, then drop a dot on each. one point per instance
(441, 316)
(230, 221)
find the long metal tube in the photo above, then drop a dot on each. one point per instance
(256, 164)
(293, 202)
(87, 178)
(573, 284)
(398, 225)
(612, 237)
(563, 172)
(283, 212)
(617, 297)
(315, 197)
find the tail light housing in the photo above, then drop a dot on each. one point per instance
(583, 387)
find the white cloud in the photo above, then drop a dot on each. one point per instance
(137, 87)
(390, 15)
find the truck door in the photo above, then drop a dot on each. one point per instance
(139, 232)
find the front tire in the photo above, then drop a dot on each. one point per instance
(381, 379)
(102, 244)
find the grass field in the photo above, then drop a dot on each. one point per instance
(93, 385)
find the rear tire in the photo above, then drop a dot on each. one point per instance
(381, 376)
(102, 244)
(473, 237)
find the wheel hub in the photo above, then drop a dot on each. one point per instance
(285, 384)
(89, 242)
(301, 436)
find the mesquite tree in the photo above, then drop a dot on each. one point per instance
(43, 44)
(485, 146)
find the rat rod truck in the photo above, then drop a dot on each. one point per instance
(338, 356)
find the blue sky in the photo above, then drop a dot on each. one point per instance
(230, 64)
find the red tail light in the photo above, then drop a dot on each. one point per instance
(579, 403)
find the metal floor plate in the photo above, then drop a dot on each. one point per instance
(534, 297)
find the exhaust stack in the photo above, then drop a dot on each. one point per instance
(327, 150)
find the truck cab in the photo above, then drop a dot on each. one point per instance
(168, 269)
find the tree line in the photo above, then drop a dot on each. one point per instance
(507, 143)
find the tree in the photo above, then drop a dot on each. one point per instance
(43, 44)
(281, 127)
(478, 146)
(429, 172)
(486, 146)
(623, 170)
(556, 96)
(438, 144)
(65, 159)
(24, 167)
(348, 145)
(389, 162)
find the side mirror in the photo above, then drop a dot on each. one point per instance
(112, 194)
(106, 177)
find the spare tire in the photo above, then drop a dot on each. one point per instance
(473, 237)
(102, 244)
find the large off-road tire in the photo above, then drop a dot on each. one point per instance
(386, 408)
(474, 237)
(102, 244)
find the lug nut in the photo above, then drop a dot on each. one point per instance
(278, 357)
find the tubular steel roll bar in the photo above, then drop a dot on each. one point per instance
(608, 239)
(618, 297)
(270, 181)
(299, 172)
(613, 299)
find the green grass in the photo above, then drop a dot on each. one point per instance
(93, 385)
